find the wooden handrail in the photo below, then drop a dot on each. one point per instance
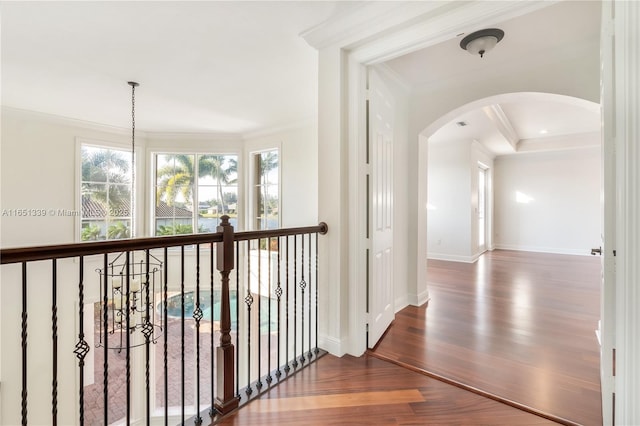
(322, 229)
(60, 251)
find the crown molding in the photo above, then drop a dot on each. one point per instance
(298, 125)
(438, 24)
(500, 120)
(559, 143)
(379, 31)
(123, 131)
(364, 20)
(195, 136)
(159, 136)
(71, 122)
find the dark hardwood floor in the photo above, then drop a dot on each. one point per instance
(514, 324)
(514, 327)
(368, 391)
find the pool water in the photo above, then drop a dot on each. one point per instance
(174, 310)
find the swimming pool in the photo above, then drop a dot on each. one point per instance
(174, 309)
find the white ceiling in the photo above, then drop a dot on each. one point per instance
(545, 35)
(240, 67)
(202, 66)
(519, 122)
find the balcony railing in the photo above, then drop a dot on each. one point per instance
(170, 330)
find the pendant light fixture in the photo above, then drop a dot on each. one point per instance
(129, 317)
(133, 85)
(480, 42)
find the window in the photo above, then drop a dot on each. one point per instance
(266, 193)
(192, 192)
(106, 193)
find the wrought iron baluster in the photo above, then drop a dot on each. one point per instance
(294, 363)
(54, 343)
(197, 316)
(309, 354)
(303, 285)
(259, 327)
(182, 324)
(248, 300)
(212, 411)
(82, 347)
(269, 378)
(128, 335)
(279, 296)
(147, 331)
(105, 372)
(165, 315)
(316, 346)
(286, 310)
(24, 343)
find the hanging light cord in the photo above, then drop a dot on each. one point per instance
(133, 85)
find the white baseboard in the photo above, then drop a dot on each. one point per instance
(412, 299)
(551, 250)
(332, 345)
(419, 299)
(401, 303)
(453, 257)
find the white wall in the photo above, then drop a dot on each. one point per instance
(298, 171)
(449, 198)
(40, 155)
(452, 224)
(39, 172)
(431, 107)
(563, 215)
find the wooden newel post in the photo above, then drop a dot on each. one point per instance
(225, 400)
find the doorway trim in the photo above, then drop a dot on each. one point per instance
(483, 207)
(403, 29)
(378, 32)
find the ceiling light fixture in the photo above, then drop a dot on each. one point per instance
(480, 42)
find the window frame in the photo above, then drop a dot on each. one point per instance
(108, 145)
(152, 183)
(252, 217)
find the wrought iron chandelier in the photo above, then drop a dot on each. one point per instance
(130, 290)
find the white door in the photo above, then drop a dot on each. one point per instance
(380, 181)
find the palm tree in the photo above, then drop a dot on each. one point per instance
(174, 230)
(104, 166)
(177, 229)
(100, 165)
(175, 178)
(118, 230)
(91, 232)
(220, 168)
(178, 177)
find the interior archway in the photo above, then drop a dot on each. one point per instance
(584, 137)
